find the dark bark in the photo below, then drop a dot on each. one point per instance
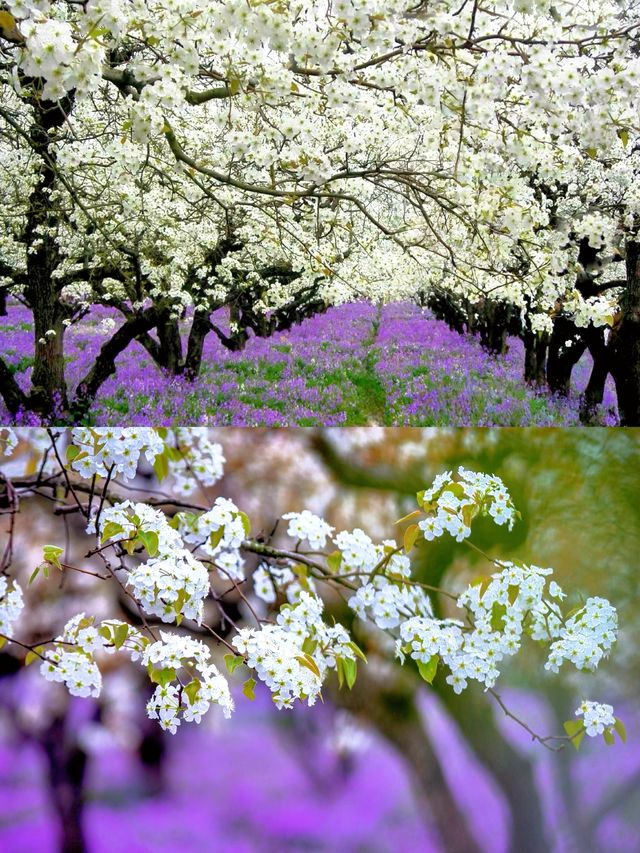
(3, 301)
(593, 395)
(624, 344)
(511, 770)
(200, 328)
(566, 346)
(104, 365)
(535, 356)
(445, 307)
(49, 391)
(66, 772)
(493, 325)
(390, 706)
(13, 396)
(170, 344)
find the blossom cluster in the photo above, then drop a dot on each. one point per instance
(596, 717)
(293, 656)
(172, 583)
(389, 598)
(174, 700)
(307, 527)
(11, 604)
(268, 581)
(219, 533)
(586, 637)
(8, 441)
(199, 462)
(70, 661)
(102, 450)
(452, 504)
(163, 563)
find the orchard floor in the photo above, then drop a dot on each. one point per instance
(354, 365)
(301, 781)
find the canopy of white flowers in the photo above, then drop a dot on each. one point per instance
(373, 147)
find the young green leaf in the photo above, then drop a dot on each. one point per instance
(620, 728)
(428, 670)
(232, 662)
(247, 688)
(350, 671)
(576, 731)
(149, 539)
(120, 634)
(410, 536)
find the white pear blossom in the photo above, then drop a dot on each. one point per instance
(11, 605)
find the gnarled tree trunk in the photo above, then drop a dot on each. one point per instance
(625, 343)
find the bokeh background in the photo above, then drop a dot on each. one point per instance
(393, 765)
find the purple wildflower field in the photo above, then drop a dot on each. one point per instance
(307, 791)
(356, 364)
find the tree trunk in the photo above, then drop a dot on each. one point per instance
(105, 363)
(563, 358)
(170, 344)
(391, 708)
(512, 772)
(66, 765)
(3, 301)
(200, 328)
(49, 391)
(625, 344)
(535, 356)
(593, 394)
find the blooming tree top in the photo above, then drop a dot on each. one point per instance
(372, 147)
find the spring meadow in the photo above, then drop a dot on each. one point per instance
(319, 426)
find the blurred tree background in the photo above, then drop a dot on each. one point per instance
(393, 764)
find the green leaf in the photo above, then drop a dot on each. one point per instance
(110, 529)
(308, 661)
(340, 671)
(120, 634)
(234, 85)
(30, 657)
(350, 671)
(52, 555)
(623, 136)
(150, 541)
(334, 560)
(428, 670)
(247, 688)
(498, 613)
(105, 632)
(357, 650)
(415, 514)
(34, 575)
(620, 728)
(192, 689)
(410, 536)
(456, 489)
(244, 518)
(309, 646)
(576, 731)
(609, 739)
(216, 537)
(3, 641)
(161, 466)
(233, 662)
(162, 676)
(72, 452)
